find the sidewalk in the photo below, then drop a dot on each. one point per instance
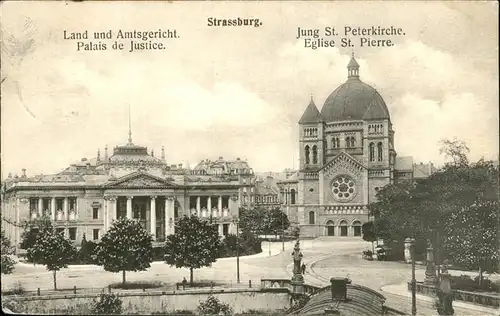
(402, 290)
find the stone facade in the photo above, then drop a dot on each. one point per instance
(87, 196)
(346, 155)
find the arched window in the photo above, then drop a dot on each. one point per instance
(334, 143)
(379, 151)
(307, 154)
(292, 196)
(315, 154)
(338, 142)
(311, 217)
(348, 142)
(372, 151)
(353, 142)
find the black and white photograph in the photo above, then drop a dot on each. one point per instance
(250, 158)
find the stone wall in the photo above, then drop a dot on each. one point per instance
(149, 302)
(469, 297)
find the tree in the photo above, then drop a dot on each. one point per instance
(126, 246)
(275, 221)
(368, 233)
(252, 220)
(86, 252)
(53, 250)
(31, 229)
(7, 262)
(195, 244)
(455, 151)
(471, 237)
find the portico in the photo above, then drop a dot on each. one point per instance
(156, 213)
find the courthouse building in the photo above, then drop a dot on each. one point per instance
(85, 197)
(347, 154)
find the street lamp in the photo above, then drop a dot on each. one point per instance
(236, 221)
(411, 242)
(282, 233)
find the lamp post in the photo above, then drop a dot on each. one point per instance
(282, 233)
(411, 242)
(236, 221)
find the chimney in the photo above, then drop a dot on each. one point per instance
(162, 153)
(24, 173)
(106, 153)
(152, 153)
(98, 155)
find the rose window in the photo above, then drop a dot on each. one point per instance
(343, 188)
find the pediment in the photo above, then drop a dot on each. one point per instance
(344, 163)
(140, 180)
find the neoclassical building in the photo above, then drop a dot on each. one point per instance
(87, 196)
(346, 154)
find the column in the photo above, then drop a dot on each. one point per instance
(129, 206)
(219, 207)
(105, 213)
(53, 209)
(169, 216)
(209, 205)
(152, 217)
(65, 209)
(198, 206)
(40, 207)
(221, 232)
(114, 202)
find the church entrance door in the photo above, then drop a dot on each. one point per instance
(330, 228)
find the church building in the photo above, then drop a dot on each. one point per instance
(346, 155)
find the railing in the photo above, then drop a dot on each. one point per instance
(171, 288)
(470, 297)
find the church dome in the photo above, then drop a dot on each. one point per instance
(354, 100)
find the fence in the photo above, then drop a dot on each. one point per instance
(134, 287)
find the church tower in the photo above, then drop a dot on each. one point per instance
(346, 155)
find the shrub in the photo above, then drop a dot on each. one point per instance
(108, 304)
(177, 312)
(213, 306)
(18, 289)
(137, 285)
(466, 283)
(246, 243)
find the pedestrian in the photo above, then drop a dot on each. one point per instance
(184, 282)
(303, 269)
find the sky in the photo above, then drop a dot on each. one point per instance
(238, 91)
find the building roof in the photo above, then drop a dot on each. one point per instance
(311, 114)
(403, 163)
(423, 170)
(361, 301)
(354, 100)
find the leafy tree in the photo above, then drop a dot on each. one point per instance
(53, 250)
(471, 237)
(195, 244)
(455, 151)
(126, 246)
(252, 220)
(87, 250)
(275, 221)
(458, 203)
(368, 233)
(31, 229)
(7, 262)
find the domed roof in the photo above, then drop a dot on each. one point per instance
(354, 100)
